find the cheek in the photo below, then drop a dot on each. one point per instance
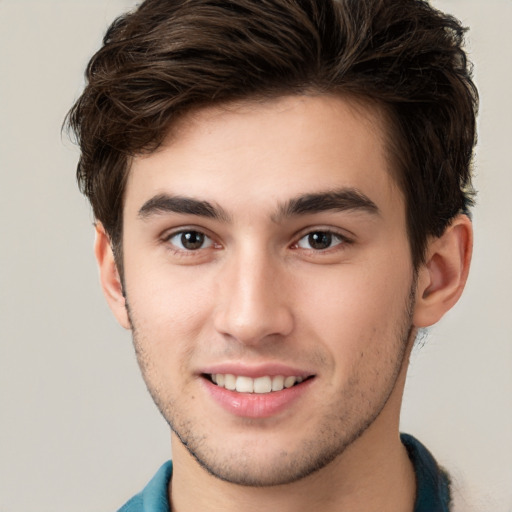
(168, 305)
(358, 309)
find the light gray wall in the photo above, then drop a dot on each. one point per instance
(77, 428)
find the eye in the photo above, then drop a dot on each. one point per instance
(320, 240)
(190, 240)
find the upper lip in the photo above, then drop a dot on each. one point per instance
(255, 371)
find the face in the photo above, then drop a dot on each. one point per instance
(268, 279)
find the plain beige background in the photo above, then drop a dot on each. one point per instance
(78, 431)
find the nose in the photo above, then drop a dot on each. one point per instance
(253, 306)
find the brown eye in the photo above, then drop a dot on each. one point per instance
(320, 240)
(190, 240)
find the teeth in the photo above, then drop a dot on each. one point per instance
(263, 385)
(260, 385)
(230, 382)
(277, 383)
(289, 382)
(244, 385)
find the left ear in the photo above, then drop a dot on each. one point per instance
(443, 276)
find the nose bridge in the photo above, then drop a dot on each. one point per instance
(253, 305)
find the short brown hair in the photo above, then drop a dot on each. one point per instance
(170, 56)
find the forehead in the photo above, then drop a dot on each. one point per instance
(251, 155)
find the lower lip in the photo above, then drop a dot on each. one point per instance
(256, 405)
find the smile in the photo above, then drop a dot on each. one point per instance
(259, 396)
(259, 385)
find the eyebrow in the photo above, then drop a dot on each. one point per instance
(165, 203)
(344, 199)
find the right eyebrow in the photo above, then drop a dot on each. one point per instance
(165, 203)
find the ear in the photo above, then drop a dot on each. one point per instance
(109, 276)
(443, 276)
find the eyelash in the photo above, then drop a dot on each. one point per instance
(183, 250)
(332, 236)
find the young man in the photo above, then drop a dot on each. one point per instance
(281, 190)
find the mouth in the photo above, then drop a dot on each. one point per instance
(258, 386)
(256, 393)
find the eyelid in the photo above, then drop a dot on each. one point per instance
(345, 236)
(171, 233)
(207, 241)
(338, 239)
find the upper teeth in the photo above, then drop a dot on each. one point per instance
(244, 384)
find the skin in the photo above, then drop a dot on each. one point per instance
(255, 292)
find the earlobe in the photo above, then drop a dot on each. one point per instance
(109, 276)
(442, 278)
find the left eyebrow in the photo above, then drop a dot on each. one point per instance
(338, 200)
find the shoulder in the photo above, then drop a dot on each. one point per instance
(432, 482)
(135, 504)
(154, 497)
(436, 489)
(470, 497)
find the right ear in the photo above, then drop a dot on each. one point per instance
(109, 276)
